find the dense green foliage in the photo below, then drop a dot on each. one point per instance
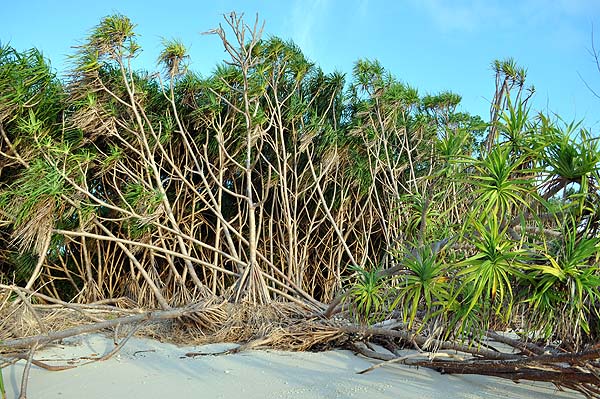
(272, 179)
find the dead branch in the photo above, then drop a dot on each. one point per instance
(527, 347)
(25, 355)
(575, 371)
(153, 316)
(120, 345)
(565, 376)
(25, 377)
(428, 342)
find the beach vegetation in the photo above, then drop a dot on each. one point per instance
(273, 180)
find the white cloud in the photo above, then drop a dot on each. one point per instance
(305, 19)
(569, 7)
(466, 15)
(474, 15)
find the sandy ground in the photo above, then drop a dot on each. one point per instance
(149, 369)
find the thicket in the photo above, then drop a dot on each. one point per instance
(272, 180)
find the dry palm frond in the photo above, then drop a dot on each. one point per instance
(307, 139)
(210, 315)
(94, 121)
(33, 233)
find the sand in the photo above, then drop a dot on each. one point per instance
(150, 369)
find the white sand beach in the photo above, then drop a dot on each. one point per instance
(150, 369)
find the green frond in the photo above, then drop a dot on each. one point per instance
(499, 190)
(113, 37)
(367, 295)
(425, 287)
(173, 56)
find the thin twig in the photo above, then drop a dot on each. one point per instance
(25, 378)
(120, 345)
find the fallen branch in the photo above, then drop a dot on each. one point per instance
(428, 342)
(100, 305)
(119, 346)
(575, 371)
(154, 316)
(566, 376)
(526, 347)
(25, 377)
(363, 350)
(24, 356)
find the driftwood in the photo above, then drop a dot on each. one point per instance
(38, 341)
(429, 342)
(542, 371)
(577, 375)
(578, 371)
(388, 359)
(527, 347)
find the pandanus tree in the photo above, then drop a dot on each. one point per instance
(271, 179)
(512, 235)
(175, 187)
(536, 187)
(32, 100)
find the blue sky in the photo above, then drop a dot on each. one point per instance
(433, 45)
